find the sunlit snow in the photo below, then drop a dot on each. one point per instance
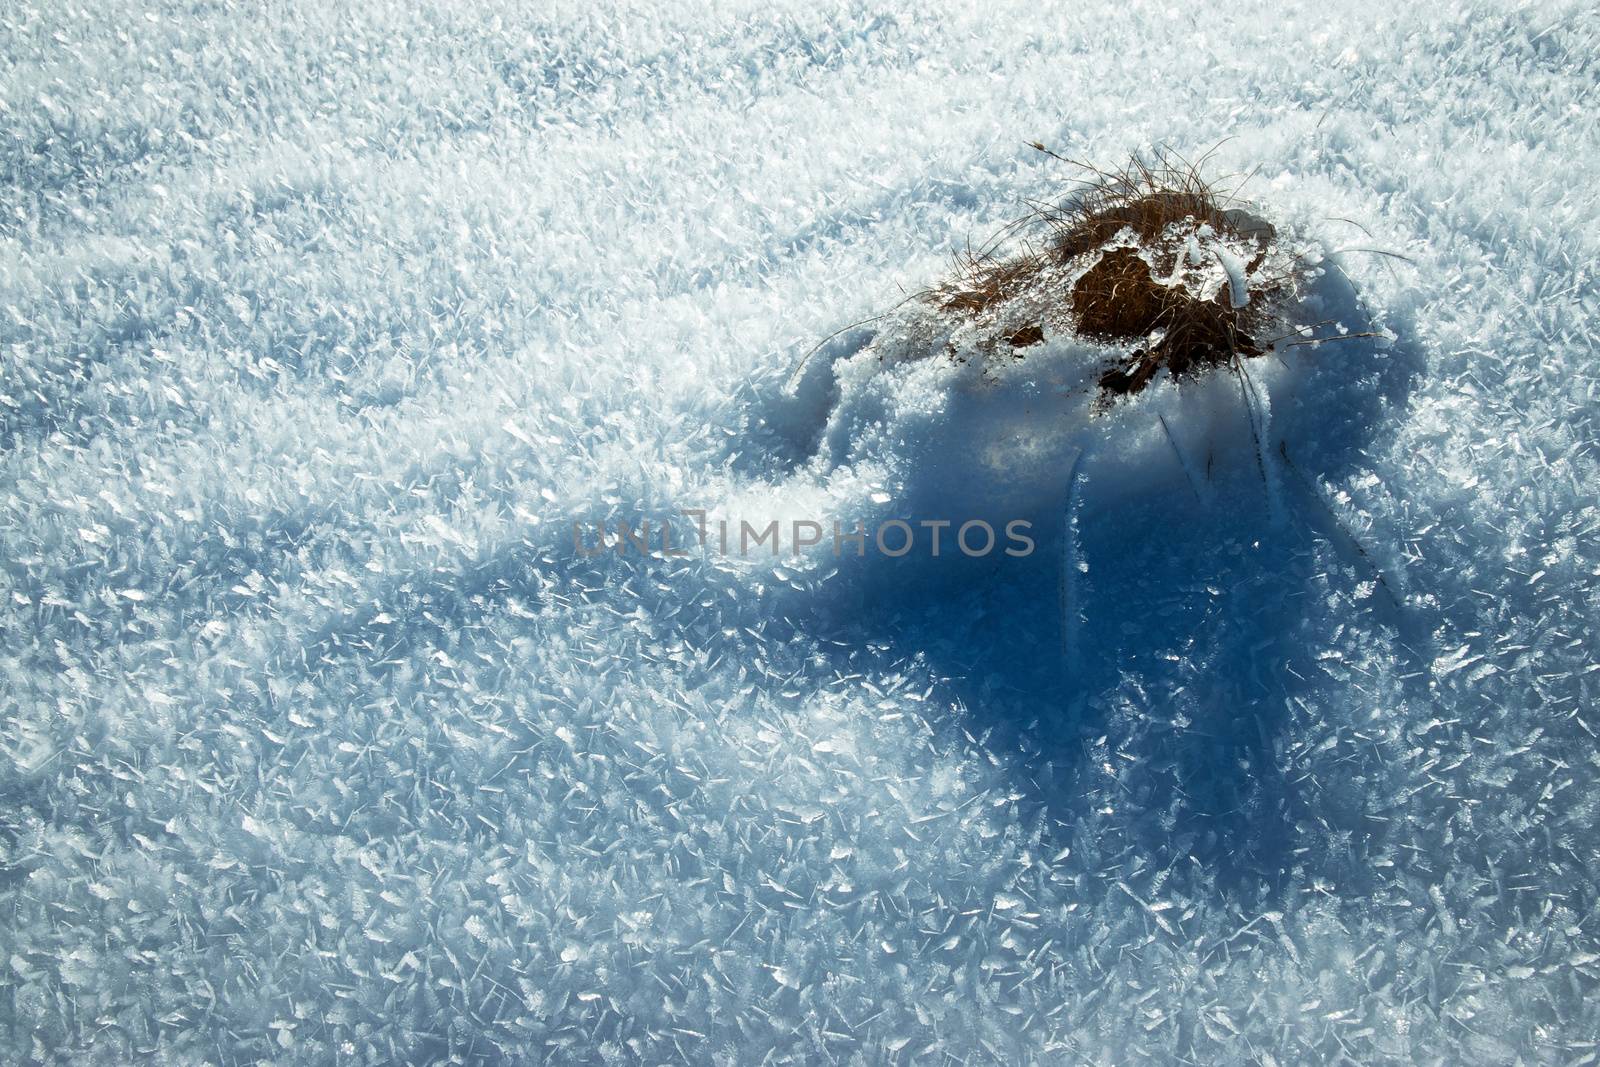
(321, 324)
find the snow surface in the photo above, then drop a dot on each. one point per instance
(321, 323)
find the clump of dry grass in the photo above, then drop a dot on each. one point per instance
(1149, 256)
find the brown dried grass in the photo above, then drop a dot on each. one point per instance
(1116, 298)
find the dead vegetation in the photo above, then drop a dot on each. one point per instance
(1149, 257)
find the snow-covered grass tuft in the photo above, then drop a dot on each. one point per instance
(1152, 254)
